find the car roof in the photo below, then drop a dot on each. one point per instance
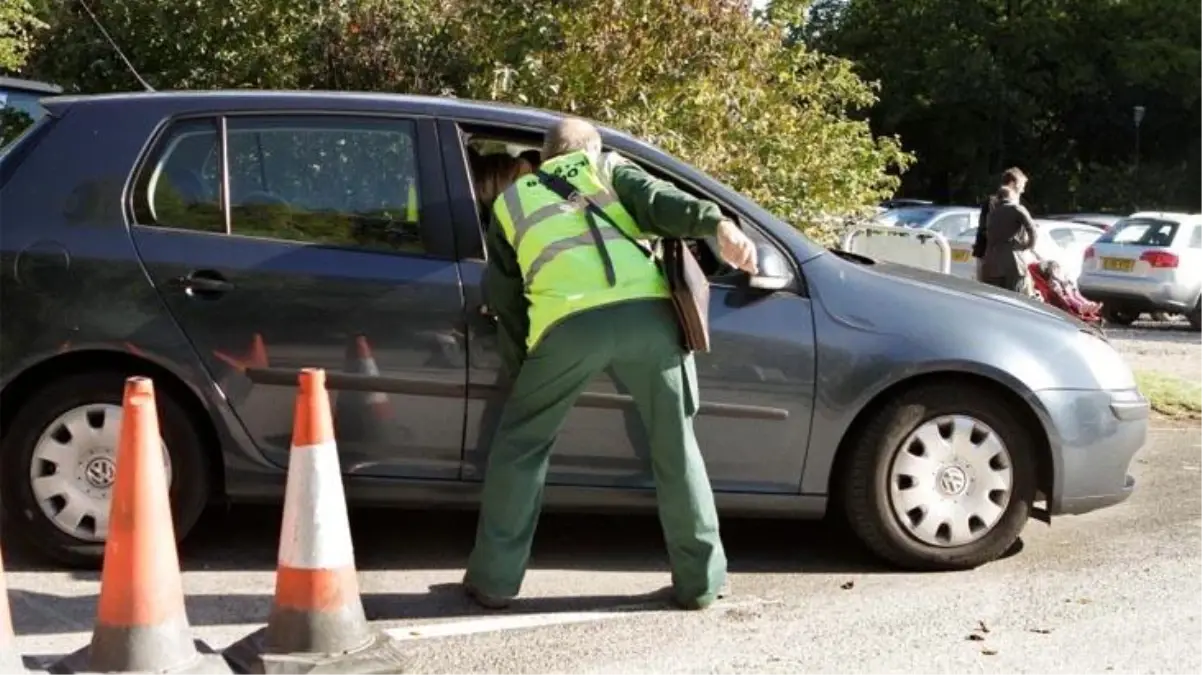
(1174, 216)
(220, 99)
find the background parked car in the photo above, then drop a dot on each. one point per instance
(1147, 262)
(1062, 241)
(1102, 221)
(220, 241)
(904, 201)
(946, 220)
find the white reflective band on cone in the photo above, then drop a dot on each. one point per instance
(315, 533)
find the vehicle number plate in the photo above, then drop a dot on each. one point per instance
(960, 256)
(1117, 264)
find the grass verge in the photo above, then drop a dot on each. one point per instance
(1171, 396)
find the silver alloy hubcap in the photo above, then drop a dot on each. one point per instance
(74, 466)
(950, 481)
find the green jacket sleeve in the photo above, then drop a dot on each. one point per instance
(504, 295)
(662, 209)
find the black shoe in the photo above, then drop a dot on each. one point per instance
(484, 599)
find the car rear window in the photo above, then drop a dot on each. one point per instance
(1141, 232)
(17, 149)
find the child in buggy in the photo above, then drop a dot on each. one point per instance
(1059, 291)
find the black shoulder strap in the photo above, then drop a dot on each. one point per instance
(560, 186)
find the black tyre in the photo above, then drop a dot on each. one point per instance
(922, 504)
(1119, 316)
(1195, 316)
(65, 435)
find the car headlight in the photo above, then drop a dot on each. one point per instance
(1109, 369)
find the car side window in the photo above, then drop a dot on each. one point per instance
(332, 180)
(341, 181)
(174, 190)
(1195, 240)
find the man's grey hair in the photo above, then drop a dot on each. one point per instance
(572, 134)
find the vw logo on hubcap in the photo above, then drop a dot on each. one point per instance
(100, 472)
(953, 480)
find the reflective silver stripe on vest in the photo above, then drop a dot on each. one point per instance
(552, 250)
(523, 223)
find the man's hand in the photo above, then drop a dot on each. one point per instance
(736, 248)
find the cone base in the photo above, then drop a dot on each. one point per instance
(380, 654)
(204, 661)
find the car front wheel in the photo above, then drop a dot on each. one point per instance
(59, 463)
(942, 478)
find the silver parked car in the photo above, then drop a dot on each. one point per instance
(1147, 262)
(946, 220)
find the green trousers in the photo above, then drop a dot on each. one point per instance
(639, 342)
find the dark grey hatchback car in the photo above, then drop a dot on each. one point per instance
(220, 241)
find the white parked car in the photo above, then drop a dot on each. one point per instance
(1062, 241)
(1147, 262)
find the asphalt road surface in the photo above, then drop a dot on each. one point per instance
(1116, 590)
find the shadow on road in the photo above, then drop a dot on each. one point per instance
(36, 613)
(245, 538)
(392, 539)
(1174, 333)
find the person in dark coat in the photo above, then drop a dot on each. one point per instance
(1009, 230)
(1013, 178)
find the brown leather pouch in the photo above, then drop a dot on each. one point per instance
(690, 293)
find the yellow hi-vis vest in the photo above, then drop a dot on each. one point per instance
(411, 204)
(562, 268)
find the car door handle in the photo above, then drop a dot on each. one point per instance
(206, 283)
(486, 312)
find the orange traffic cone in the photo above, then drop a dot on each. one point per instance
(234, 382)
(10, 658)
(256, 357)
(141, 624)
(317, 623)
(362, 416)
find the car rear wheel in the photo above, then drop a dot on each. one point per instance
(942, 478)
(1195, 316)
(58, 466)
(1120, 317)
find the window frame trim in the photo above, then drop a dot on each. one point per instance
(430, 169)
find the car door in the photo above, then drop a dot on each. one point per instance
(287, 241)
(756, 386)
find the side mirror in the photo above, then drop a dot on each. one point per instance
(774, 271)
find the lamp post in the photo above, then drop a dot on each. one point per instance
(1139, 117)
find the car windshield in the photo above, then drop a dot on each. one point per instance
(906, 217)
(1141, 232)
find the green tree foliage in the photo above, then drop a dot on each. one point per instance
(12, 123)
(19, 26)
(974, 86)
(700, 78)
